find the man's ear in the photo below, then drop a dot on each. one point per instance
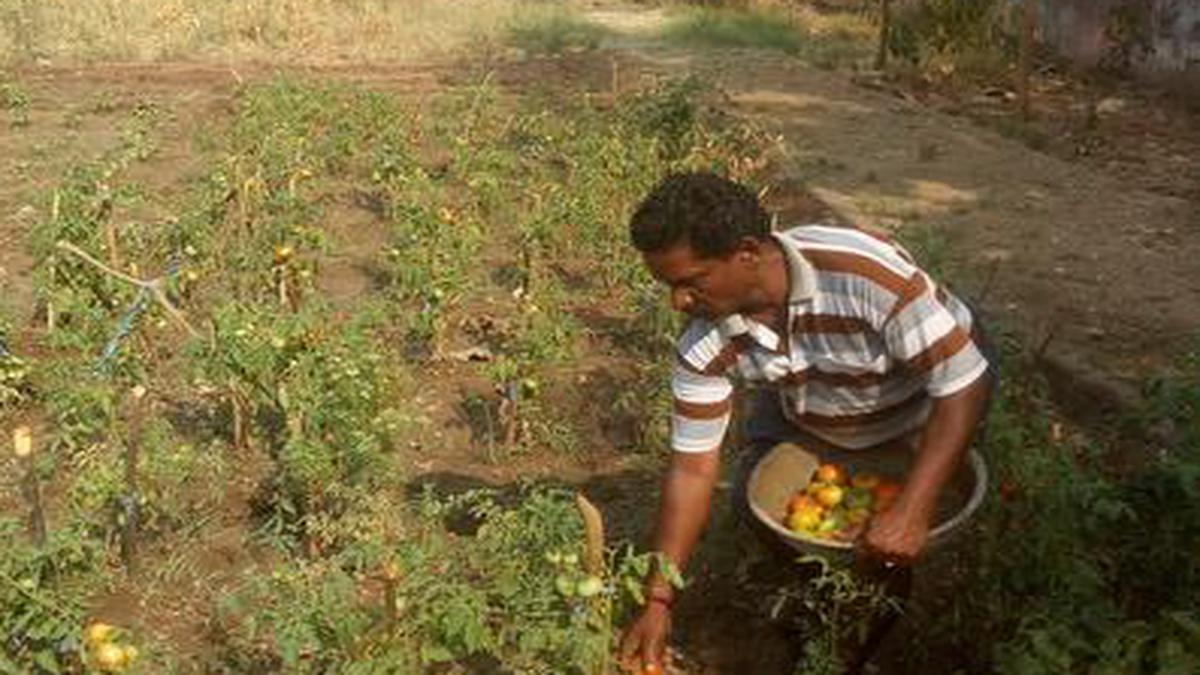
(748, 249)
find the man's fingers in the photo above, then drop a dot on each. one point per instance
(628, 648)
(631, 651)
(652, 651)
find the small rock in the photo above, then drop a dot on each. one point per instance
(1110, 106)
(476, 353)
(996, 255)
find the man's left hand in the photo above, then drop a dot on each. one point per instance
(897, 535)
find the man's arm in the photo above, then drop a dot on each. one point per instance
(686, 504)
(900, 533)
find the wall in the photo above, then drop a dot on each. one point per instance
(1082, 30)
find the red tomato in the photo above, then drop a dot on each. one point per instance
(831, 473)
(885, 494)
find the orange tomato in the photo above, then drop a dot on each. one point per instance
(801, 501)
(652, 669)
(830, 496)
(831, 473)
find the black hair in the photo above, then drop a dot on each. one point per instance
(708, 212)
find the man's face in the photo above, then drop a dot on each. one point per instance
(706, 288)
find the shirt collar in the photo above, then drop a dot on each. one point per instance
(802, 284)
(802, 278)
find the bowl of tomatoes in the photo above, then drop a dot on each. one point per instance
(820, 500)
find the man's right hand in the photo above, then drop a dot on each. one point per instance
(645, 642)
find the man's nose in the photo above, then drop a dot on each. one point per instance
(681, 300)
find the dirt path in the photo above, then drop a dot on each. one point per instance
(1071, 255)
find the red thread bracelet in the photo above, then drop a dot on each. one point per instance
(660, 599)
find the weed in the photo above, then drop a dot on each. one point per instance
(511, 593)
(15, 101)
(553, 29)
(42, 613)
(948, 38)
(735, 28)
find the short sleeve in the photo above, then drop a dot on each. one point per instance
(923, 336)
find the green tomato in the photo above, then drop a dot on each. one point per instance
(589, 587)
(564, 585)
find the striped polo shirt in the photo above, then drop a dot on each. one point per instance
(870, 339)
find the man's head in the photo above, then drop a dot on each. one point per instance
(702, 235)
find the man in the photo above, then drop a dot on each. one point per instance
(861, 346)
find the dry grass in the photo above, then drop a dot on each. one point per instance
(270, 30)
(823, 38)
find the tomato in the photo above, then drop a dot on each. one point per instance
(887, 491)
(830, 495)
(111, 658)
(802, 502)
(283, 254)
(564, 585)
(867, 481)
(831, 473)
(812, 488)
(589, 587)
(803, 521)
(97, 633)
(652, 669)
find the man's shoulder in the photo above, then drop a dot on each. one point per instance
(838, 246)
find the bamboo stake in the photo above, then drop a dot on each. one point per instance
(31, 486)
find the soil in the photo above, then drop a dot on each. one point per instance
(1079, 232)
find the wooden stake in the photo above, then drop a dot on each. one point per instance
(132, 501)
(885, 24)
(51, 317)
(391, 581)
(31, 486)
(593, 525)
(240, 434)
(1025, 63)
